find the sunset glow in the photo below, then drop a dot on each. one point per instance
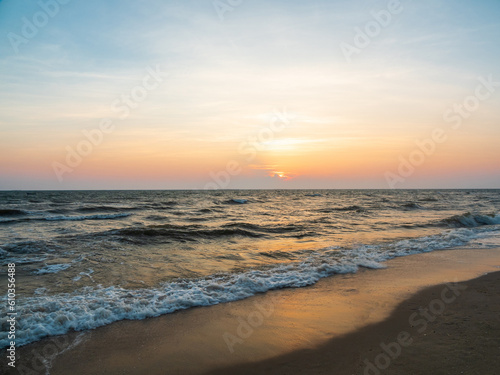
(273, 92)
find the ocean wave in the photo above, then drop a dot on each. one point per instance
(87, 217)
(68, 218)
(52, 268)
(105, 209)
(466, 220)
(195, 232)
(92, 307)
(4, 257)
(303, 234)
(29, 247)
(412, 206)
(182, 232)
(270, 229)
(428, 199)
(11, 212)
(197, 219)
(161, 205)
(469, 220)
(59, 211)
(350, 208)
(353, 208)
(236, 201)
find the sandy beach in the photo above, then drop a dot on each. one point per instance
(462, 337)
(334, 327)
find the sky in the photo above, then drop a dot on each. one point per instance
(237, 94)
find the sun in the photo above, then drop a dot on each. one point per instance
(281, 175)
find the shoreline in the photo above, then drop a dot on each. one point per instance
(456, 332)
(259, 331)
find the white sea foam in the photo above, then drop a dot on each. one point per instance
(91, 307)
(66, 218)
(23, 260)
(240, 201)
(53, 268)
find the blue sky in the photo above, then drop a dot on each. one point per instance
(223, 78)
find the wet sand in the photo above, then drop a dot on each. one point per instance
(333, 327)
(459, 337)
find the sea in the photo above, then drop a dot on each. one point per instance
(85, 259)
